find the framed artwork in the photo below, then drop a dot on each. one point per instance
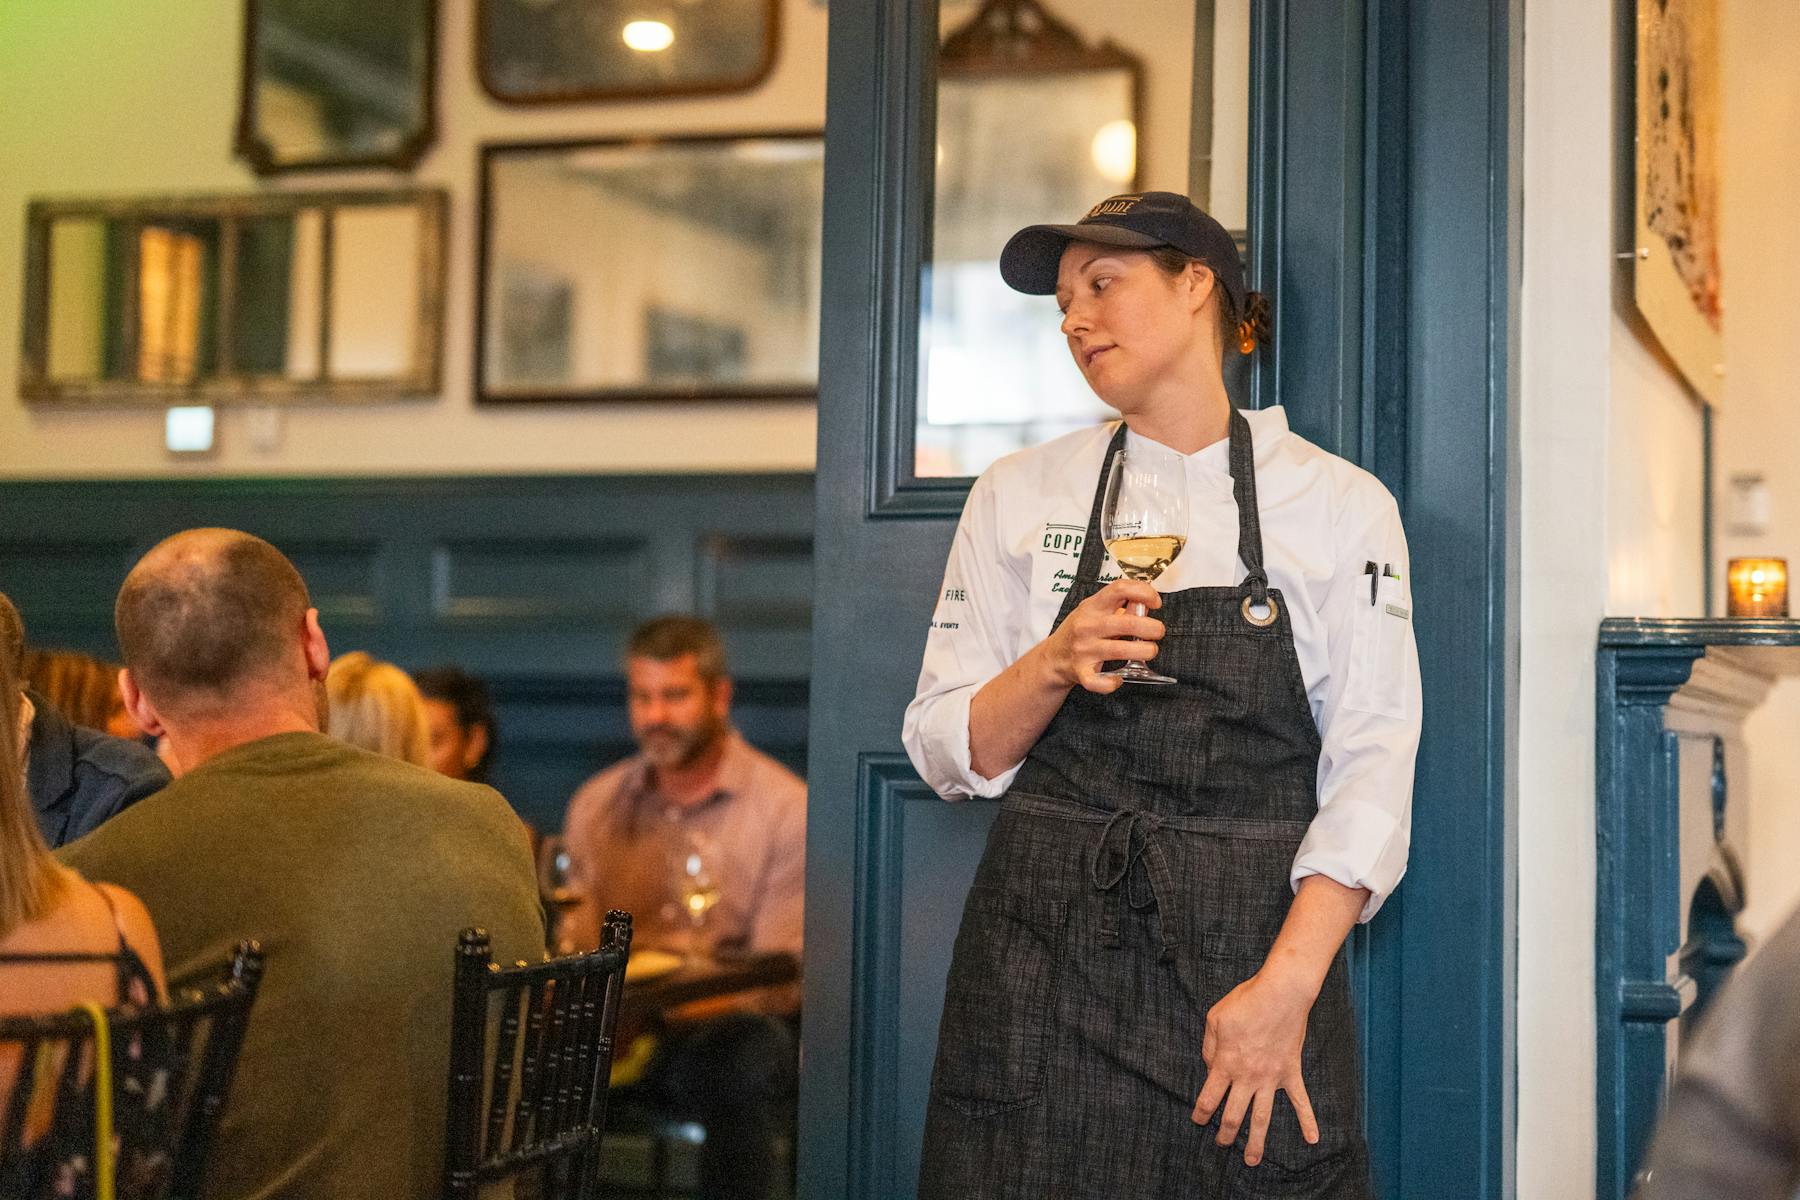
(1675, 279)
(336, 83)
(675, 268)
(559, 51)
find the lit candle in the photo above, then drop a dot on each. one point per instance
(1756, 587)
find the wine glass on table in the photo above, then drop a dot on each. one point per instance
(556, 890)
(696, 889)
(1144, 522)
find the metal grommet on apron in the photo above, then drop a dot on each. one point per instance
(1137, 872)
(1249, 611)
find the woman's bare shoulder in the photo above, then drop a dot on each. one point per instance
(139, 931)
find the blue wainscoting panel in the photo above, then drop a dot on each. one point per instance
(914, 859)
(532, 582)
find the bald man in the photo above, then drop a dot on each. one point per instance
(356, 872)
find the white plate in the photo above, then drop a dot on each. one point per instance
(650, 964)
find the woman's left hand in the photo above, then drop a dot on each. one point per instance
(1252, 1050)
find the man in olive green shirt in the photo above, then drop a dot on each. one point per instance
(355, 872)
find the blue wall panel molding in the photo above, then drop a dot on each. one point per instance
(531, 581)
(1647, 914)
(886, 784)
(913, 858)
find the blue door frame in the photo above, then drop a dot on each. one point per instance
(1384, 175)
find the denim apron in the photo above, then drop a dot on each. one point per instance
(1136, 873)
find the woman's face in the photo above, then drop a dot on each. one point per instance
(1128, 322)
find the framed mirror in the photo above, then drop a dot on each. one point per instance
(682, 268)
(554, 51)
(1043, 108)
(336, 83)
(221, 299)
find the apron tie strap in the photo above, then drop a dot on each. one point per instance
(1128, 858)
(1241, 455)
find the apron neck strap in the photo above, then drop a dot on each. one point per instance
(1243, 490)
(1093, 545)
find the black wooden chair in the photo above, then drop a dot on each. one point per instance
(531, 1052)
(171, 1070)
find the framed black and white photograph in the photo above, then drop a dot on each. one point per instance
(676, 268)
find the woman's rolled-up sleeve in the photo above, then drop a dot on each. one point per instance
(1369, 723)
(981, 603)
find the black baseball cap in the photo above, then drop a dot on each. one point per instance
(1136, 220)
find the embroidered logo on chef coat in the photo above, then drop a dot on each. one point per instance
(1059, 556)
(1064, 539)
(950, 605)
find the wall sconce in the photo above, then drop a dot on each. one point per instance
(1756, 587)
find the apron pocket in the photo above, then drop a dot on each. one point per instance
(994, 1041)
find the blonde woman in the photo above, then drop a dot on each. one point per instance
(376, 706)
(62, 939)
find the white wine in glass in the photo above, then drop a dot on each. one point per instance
(1145, 557)
(1144, 521)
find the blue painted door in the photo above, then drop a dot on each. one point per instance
(1382, 224)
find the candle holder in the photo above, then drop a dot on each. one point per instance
(1756, 587)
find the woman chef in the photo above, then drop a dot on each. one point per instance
(1148, 996)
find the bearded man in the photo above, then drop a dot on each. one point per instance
(702, 838)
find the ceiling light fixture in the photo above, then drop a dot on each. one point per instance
(1114, 151)
(649, 36)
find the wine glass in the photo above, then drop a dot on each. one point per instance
(556, 889)
(555, 873)
(1144, 521)
(695, 888)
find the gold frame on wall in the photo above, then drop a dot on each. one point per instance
(1675, 277)
(225, 384)
(575, 93)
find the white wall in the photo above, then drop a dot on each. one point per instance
(108, 97)
(1757, 427)
(1565, 384)
(1655, 496)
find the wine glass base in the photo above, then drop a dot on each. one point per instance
(1137, 674)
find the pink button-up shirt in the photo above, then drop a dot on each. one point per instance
(630, 849)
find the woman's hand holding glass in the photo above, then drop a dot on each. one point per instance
(1102, 629)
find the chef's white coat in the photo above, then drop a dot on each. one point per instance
(1018, 546)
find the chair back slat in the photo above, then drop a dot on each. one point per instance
(571, 1097)
(530, 1056)
(568, 1086)
(555, 1020)
(567, 1022)
(171, 1067)
(605, 1045)
(531, 1068)
(506, 1047)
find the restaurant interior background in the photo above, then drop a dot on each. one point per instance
(513, 535)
